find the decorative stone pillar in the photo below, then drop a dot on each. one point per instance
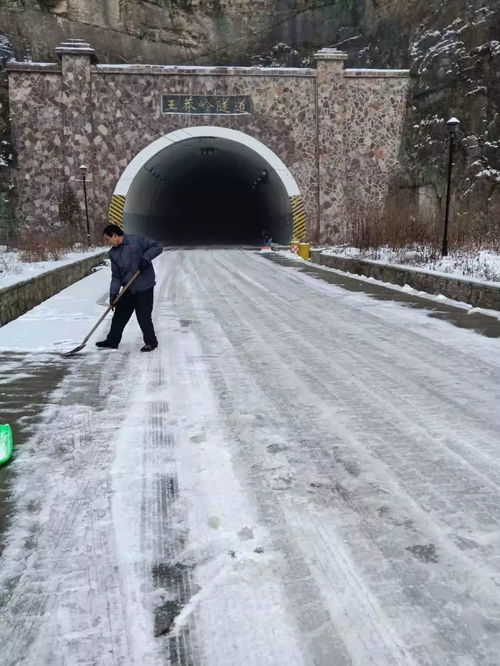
(76, 58)
(330, 100)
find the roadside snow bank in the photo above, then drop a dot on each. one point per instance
(483, 265)
(13, 270)
(60, 322)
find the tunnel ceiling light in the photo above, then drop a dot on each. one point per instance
(156, 174)
(207, 151)
(261, 179)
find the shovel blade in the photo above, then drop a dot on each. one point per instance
(74, 351)
(6, 443)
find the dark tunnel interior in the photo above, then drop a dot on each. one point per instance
(208, 191)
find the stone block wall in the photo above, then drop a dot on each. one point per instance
(128, 116)
(375, 103)
(36, 126)
(331, 131)
(337, 130)
(18, 298)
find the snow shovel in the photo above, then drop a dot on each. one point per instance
(6, 443)
(80, 347)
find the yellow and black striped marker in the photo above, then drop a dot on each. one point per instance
(116, 209)
(299, 218)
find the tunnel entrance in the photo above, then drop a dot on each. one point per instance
(215, 204)
(207, 186)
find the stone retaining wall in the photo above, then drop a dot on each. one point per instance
(18, 298)
(472, 292)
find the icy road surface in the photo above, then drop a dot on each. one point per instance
(300, 475)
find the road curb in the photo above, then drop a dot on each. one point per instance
(473, 292)
(20, 297)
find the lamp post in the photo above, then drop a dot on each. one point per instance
(83, 169)
(453, 125)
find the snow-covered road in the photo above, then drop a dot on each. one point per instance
(301, 475)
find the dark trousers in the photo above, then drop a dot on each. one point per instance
(143, 305)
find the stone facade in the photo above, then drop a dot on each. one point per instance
(374, 112)
(37, 140)
(331, 100)
(283, 116)
(336, 130)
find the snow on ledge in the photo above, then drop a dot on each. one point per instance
(377, 73)
(18, 66)
(212, 70)
(452, 274)
(19, 271)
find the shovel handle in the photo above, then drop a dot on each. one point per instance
(110, 307)
(136, 274)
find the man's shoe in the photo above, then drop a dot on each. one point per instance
(106, 344)
(147, 348)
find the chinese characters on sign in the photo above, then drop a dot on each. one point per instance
(206, 104)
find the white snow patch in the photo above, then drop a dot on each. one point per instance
(13, 269)
(396, 287)
(62, 321)
(482, 266)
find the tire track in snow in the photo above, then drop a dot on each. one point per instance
(238, 610)
(265, 316)
(229, 439)
(390, 650)
(417, 405)
(396, 396)
(163, 532)
(72, 603)
(62, 584)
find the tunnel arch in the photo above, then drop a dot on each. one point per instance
(208, 185)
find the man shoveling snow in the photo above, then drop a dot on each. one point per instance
(129, 254)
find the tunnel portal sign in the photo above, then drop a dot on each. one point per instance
(206, 104)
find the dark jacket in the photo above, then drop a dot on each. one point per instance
(125, 260)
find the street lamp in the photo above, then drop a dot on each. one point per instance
(453, 127)
(83, 169)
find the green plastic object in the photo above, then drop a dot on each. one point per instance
(6, 443)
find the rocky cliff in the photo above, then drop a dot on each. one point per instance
(167, 31)
(455, 61)
(451, 48)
